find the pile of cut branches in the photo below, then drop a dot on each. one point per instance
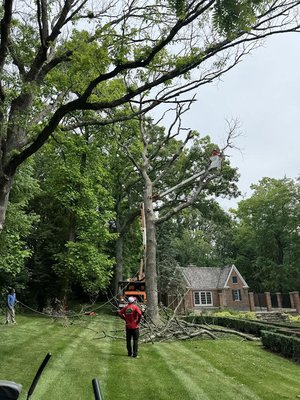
(179, 329)
(170, 327)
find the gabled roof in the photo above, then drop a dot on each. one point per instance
(205, 278)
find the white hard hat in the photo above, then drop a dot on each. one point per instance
(131, 299)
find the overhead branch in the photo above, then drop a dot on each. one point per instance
(130, 156)
(144, 61)
(42, 19)
(205, 178)
(81, 103)
(174, 129)
(189, 136)
(41, 55)
(4, 31)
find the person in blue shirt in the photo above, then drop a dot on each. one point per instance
(10, 307)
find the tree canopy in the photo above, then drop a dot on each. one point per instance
(76, 80)
(267, 235)
(60, 59)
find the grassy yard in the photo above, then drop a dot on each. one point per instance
(199, 369)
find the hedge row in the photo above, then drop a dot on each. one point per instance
(242, 325)
(288, 346)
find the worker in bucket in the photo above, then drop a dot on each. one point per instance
(132, 315)
(10, 306)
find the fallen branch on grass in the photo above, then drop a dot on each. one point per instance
(213, 328)
(173, 328)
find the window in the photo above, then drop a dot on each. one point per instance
(203, 299)
(236, 295)
(234, 279)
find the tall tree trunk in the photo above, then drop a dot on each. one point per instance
(5, 187)
(151, 273)
(11, 140)
(118, 276)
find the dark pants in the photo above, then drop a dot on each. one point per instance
(134, 334)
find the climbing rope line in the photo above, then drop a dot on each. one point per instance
(70, 314)
(73, 315)
(40, 312)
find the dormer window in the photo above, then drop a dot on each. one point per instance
(234, 279)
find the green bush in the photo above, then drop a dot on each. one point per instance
(241, 325)
(236, 314)
(288, 346)
(294, 318)
(222, 314)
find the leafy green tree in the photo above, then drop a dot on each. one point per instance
(202, 238)
(200, 235)
(58, 58)
(13, 247)
(75, 207)
(125, 189)
(267, 235)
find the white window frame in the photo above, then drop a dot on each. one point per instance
(237, 296)
(234, 276)
(201, 294)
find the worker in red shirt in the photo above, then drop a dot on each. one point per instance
(132, 316)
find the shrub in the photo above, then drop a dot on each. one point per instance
(222, 314)
(288, 346)
(294, 318)
(242, 325)
(236, 314)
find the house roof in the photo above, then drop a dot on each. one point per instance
(209, 277)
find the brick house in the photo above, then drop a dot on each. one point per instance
(211, 288)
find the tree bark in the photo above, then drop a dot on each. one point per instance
(119, 264)
(151, 273)
(6, 183)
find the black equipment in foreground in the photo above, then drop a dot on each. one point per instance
(97, 389)
(10, 390)
(37, 375)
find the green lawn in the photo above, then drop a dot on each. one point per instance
(191, 370)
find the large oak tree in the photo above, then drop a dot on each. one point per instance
(59, 57)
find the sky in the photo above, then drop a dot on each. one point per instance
(263, 93)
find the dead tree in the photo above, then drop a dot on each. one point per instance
(167, 189)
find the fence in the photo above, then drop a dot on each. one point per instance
(275, 301)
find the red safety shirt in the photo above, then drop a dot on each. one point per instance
(132, 315)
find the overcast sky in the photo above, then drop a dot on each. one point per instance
(263, 93)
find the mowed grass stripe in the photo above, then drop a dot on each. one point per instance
(147, 377)
(198, 369)
(23, 346)
(192, 386)
(64, 378)
(269, 375)
(210, 382)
